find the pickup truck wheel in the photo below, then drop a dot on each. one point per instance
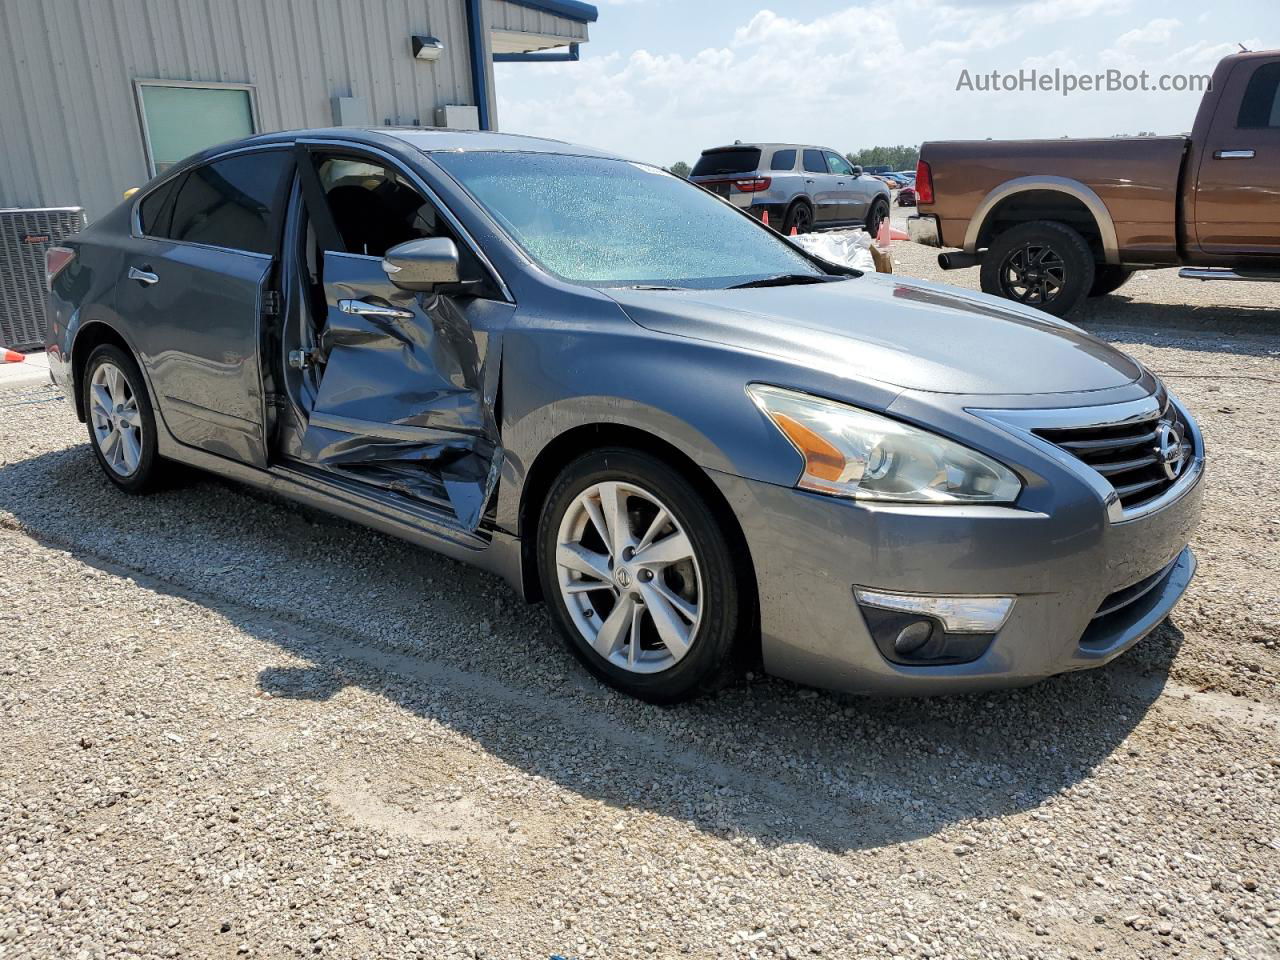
(799, 216)
(1108, 278)
(1042, 264)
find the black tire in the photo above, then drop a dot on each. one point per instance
(800, 216)
(146, 475)
(724, 603)
(1042, 264)
(876, 215)
(1108, 278)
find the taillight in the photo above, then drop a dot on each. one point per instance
(754, 185)
(924, 183)
(56, 260)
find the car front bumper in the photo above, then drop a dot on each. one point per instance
(811, 552)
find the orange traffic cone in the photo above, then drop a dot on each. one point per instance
(764, 217)
(883, 235)
(795, 232)
(13, 356)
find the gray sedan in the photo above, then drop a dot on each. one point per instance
(699, 445)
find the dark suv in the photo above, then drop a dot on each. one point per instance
(801, 187)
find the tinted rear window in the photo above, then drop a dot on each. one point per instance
(814, 162)
(153, 211)
(230, 203)
(713, 162)
(1261, 104)
(783, 160)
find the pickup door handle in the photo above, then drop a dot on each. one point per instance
(365, 309)
(145, 277)
(1233, 155)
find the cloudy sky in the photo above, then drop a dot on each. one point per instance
(663, 79)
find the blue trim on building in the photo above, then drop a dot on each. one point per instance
(570, 57)
(569, 9)
(479, 77)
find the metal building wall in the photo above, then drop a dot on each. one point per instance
(69, 126)
(515, 16)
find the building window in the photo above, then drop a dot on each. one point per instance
(181, 118)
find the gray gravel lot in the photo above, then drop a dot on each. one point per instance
(237, 728)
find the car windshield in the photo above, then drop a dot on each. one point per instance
(614, 223)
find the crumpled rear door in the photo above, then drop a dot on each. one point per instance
(407, 389)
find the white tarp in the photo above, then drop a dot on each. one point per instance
(847, 248)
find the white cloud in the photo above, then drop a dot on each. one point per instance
(863, 75)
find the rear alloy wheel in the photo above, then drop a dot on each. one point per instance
(122, 427)
(638, 575)
(799, 217)
(879, 211)
(1043, 264)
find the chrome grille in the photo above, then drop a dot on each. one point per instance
(1141, 458)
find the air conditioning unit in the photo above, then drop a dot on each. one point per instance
(25, 234)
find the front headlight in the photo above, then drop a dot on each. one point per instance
(852, 453)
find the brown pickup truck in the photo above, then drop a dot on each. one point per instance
(1053, 221)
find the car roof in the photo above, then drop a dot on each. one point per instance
(426, 139)
(769, 146)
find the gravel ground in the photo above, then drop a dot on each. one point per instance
(237, 728)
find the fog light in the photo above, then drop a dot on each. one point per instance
(912, 637)
(957, 614)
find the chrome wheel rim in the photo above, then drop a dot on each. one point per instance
(117, 424)
(629, 577)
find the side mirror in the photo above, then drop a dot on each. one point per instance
(421, 265)
(857, 171)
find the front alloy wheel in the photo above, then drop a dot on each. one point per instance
(637, 572)
(628, 577)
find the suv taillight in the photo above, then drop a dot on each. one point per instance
(924, 183)
(754, 185)
(56, 259)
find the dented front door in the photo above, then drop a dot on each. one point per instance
(405, 388)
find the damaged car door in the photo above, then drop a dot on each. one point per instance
(395, 378)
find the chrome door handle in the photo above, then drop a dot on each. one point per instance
(364, 309)
(1233, 155)
(143, 276)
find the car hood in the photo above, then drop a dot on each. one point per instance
(905, 333)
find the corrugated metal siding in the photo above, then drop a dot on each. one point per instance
(71, 129)
(511, 16)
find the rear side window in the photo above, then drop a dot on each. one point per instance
(231, 202)
(155, 208)
(1261, 104)
(814, 162)
(783, 160)
(727, 162)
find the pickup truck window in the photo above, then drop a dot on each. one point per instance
(1261, 104)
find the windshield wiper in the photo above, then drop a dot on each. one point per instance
(651, 286)
(782, 280)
